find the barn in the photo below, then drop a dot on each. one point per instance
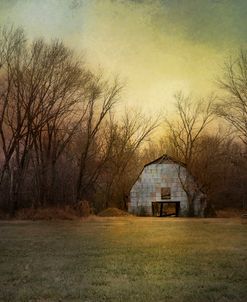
(162, 190)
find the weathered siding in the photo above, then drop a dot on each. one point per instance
(147, 188)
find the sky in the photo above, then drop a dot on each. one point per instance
(155, 47)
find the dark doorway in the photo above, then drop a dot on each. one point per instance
(166, 208)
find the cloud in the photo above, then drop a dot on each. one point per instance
(157, 46)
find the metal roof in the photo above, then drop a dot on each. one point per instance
(164, 159)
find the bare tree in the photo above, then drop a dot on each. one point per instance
(184, 134)
(101, 99)
(42, 85)
(127, 137)
(233, 105)
(192, 118)
(11, 42)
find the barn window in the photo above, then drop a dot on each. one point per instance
(165, 193)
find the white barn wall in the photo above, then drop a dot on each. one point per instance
(147, 188)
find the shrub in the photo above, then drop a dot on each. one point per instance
(209, 211)
(83, 208)
(50, 213)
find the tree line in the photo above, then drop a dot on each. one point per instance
(63, 141)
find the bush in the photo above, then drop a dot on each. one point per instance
(3, 215)
(209, 211)
(229, 213)
(83, 208)
(50, 213)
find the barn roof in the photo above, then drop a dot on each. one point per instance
(166, 159)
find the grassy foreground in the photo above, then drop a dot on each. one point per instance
(124, 259)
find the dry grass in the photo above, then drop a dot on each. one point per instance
(229, 213)
(113, 212)
(49, 213)
(83, 210)
(124, 259)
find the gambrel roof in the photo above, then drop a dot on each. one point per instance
(166, 159)
(162, 160)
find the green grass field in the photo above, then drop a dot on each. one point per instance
(124, 259)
